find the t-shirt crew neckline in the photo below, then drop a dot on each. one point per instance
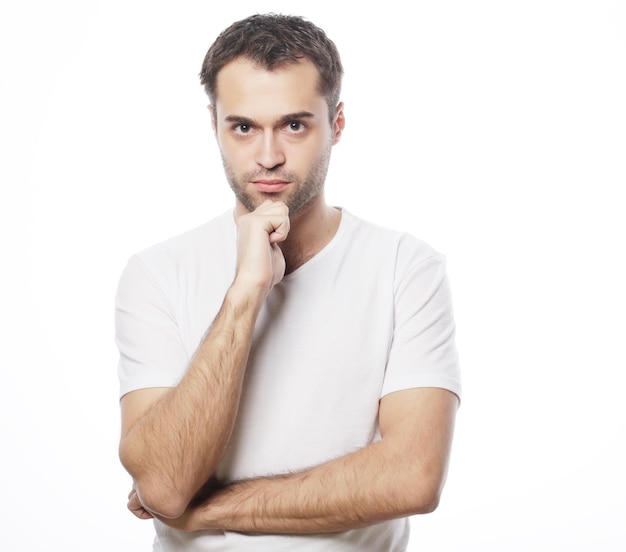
(319, 255)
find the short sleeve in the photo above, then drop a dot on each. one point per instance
(423, 351)
(151, 353)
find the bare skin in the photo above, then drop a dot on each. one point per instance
(274, 135)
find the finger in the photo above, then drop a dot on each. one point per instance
(278, 219)
(142, 514)
(138, 510)
(280, 230)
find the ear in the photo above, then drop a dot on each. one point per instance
(339, 122)
(213, 118)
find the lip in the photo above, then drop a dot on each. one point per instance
(270, 186)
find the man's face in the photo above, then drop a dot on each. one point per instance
(274, 133)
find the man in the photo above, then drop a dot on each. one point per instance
(289, 378)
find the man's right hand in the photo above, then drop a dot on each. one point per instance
(260, 261)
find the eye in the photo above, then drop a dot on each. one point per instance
(242, 129)
(295, 127)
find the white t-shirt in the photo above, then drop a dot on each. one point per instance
(370, 314)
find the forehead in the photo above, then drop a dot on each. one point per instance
(245, 89)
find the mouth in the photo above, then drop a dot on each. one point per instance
(270, 186)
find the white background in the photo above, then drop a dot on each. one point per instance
(495, 130)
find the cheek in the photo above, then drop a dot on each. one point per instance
(304, 154)
(234, 152)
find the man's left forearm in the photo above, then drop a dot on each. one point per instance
(367, 487)
(350, 492)
(400, 475)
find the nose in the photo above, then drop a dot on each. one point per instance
(270, 153)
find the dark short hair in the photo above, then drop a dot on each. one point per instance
(272, 41)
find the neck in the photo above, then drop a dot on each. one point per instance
(312, 228)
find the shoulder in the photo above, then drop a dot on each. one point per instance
(194, 252)
(389, 245)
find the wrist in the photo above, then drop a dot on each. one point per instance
(242, 297)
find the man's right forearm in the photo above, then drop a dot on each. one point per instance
(176, 445)
(172, 441)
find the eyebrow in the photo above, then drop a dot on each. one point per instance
(282, 120)
(295, 116)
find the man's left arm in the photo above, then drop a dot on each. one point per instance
(400, 475)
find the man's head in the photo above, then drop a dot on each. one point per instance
(274, 82)
(272, 41)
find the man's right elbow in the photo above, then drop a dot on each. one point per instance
(157, 500)
(153, 493)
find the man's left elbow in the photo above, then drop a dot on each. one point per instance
(429, 503)
(425, 496)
